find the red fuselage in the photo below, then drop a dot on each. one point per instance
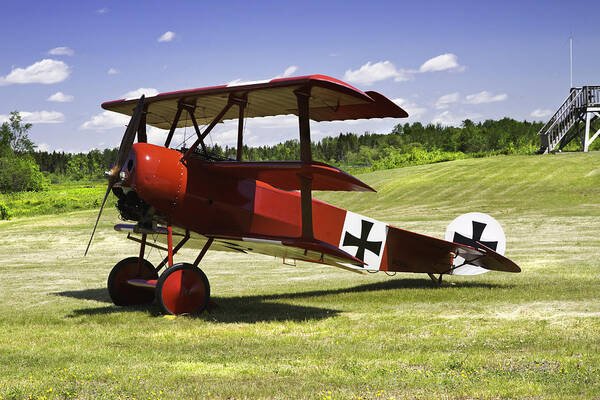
(215, 204)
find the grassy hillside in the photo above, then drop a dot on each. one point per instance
(317, 332)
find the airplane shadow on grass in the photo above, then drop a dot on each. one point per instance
(265, 308)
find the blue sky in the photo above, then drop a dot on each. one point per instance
(442, 61)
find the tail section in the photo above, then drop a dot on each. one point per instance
(475, 243)
(479, 231)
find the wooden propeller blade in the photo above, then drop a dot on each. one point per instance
(128, 138)
(110, 185)
(124, 149)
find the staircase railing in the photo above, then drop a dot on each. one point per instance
(567, 114)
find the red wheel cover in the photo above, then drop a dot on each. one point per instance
(184, 291)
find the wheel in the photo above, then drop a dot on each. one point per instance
(124, 294)
(183, 289)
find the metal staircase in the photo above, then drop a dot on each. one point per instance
(582, 105)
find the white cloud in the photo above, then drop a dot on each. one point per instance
(374, 72)
(541, 113)
(369, 73)
(102, 11)
(38, 117)
(289, 71)
(445, 118)
(275, 121)
(137, 93)
(414, 111)
(60, 97)
(442, 62)
(112, 71)
(447, 99)
(43, 147)
(166, 37)
(46, 71)
(106, 120)
(43, 117)
(158, 136)
(449, 119)
(227, 137)
(61, 51)
(485, 97)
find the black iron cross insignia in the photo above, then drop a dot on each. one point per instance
(362, 243)
(478, 229)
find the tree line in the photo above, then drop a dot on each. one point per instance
(505, 136)
(24, 168)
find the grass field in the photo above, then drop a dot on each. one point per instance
(59, 198)
(317, 332)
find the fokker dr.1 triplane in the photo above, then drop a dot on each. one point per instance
(189, 196)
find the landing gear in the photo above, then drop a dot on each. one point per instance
(183, 289)
(121, 292)
(438, 280)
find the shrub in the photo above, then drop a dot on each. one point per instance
(4, 212)
(20, 173)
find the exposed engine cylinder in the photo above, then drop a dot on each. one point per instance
(131, 206)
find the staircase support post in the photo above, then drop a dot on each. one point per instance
(586, 137)
(590, 114)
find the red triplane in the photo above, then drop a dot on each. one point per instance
(264, 207)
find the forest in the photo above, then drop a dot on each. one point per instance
(66, 181)
(23, 168)
(407, 144)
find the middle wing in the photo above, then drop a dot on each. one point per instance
(287, 175)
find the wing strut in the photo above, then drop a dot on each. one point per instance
(174, 124)
(230, 102)
(191, 110)
(303, 97)
(240, 142)
(141, 133)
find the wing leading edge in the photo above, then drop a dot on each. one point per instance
(331, 100)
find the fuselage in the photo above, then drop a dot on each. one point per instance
(213, 204)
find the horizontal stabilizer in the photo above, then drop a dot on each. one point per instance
(286, 174)
(488, 260)
(412, 252)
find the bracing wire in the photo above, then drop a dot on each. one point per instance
(185, 129)
(246, 112)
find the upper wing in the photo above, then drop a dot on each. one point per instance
(331, 100)
(286, 174)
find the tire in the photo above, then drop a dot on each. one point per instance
(124, 294)
(183, 289)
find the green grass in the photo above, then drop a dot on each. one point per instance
(317, 332)
(59, 198)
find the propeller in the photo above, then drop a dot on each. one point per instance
(124, 149)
